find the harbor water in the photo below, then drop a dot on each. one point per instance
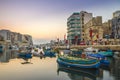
(13, 68)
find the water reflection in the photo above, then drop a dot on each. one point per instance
(79, 74)
(111, 72)
(45, 67)
(6, 55)
(116, 69)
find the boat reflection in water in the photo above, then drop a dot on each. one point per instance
(7, 54)
(79, 73)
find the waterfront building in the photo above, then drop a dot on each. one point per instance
(107, 29)
(14, 38)
(26, 40)
(93, 30)
(6, 36)
(75, 26)
(85, 17)
(116, 25)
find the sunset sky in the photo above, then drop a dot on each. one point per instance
(47, 19)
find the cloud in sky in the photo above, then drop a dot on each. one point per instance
(47, 19)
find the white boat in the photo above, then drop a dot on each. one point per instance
(91, 49)
(37, 52)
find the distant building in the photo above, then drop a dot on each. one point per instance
(13, 38)
(6, 35)
(116, 25)
(27, 40)
(75, 26)
(1, 38)
(53, 42)
(16, 38)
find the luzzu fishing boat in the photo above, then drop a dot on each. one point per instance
(102, 58)
(78, 62)
(107, 53)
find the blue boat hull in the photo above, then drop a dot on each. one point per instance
(24, 55)
(97, 56)
(105, 62)
(95, 65)
(101, 58)
(49, 54)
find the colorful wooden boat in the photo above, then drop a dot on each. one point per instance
(104, 62)
(106, 53)
(98, 56)
(102, 58)
(78, 62)
(76, 52)
(49, 53)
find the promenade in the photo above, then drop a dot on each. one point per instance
(103, 47)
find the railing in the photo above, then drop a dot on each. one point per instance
(103, 47)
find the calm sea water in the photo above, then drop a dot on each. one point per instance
(12, 68)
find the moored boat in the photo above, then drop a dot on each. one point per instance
(25, 55)
(49, 53)
(90, 49)
(78, 62)
(76, 52)
(101, 58)
(37, 52)
(106, 53)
